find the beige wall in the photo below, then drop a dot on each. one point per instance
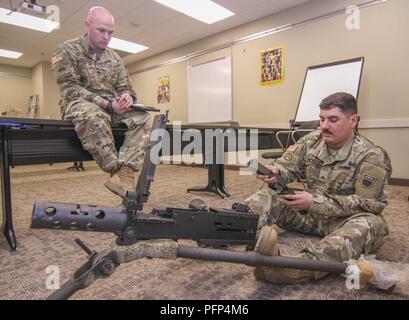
(15, 88)
(381, 39)
(45, 86)
(38, 87)
(51, 93)
(146, 86)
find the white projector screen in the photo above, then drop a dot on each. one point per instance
(323, 80)
(209, 91)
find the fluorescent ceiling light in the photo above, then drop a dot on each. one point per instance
(204, 10)
(10, 54)
(26, 21)
(126, 46)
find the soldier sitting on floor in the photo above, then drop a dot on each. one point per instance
(346, 177)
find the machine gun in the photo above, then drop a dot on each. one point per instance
(201, 223)
(210, 226)
(279, 185)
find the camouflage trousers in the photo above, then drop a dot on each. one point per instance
(93, 127)
(343, 238)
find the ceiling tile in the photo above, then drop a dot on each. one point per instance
(143, 21)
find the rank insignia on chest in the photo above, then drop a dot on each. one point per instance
(368, 181)
(292, 148)
(288, 157)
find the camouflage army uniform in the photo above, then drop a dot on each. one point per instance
(349, 194)
(86, 78)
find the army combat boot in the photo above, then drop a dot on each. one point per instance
(121, 181)
(267, 245)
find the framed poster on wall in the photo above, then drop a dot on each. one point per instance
(164, 89)
(272, 66)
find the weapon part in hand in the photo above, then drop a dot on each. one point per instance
(279, 185)
(144, 108)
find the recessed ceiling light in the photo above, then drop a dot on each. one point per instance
(204, 10)
(126, 46)
(27, 21)
(10, 54)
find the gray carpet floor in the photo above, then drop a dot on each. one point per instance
(23, 272)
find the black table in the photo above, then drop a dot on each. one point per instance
(37, 141)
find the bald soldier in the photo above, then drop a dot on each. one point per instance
(346, 177)
(96, 90)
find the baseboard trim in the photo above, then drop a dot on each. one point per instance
(399, 182)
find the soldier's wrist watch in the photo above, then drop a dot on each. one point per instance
(109, 106)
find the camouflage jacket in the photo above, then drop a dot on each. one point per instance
(354, 179)
(83, 74)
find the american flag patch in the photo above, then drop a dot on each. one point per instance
(57, 58)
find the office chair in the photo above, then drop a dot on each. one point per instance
(286, 138)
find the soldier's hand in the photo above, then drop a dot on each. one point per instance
(122, 106)
(298, 202)
(126, 101)
(117, 107)
(268, 179)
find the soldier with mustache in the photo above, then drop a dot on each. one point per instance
(346, 187)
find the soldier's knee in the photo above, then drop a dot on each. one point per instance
(135, 119)
(261, 203)
(371, 228)
(258, 201)
(379, 229)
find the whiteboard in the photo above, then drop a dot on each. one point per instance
(324, 80)
(210, 91)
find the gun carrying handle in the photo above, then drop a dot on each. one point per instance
(66, 291)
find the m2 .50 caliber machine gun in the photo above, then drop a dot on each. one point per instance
(158, 229)
(211, 226)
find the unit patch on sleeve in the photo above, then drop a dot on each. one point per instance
(368, 181)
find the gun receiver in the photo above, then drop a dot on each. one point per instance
(279, 185)
(212, 226)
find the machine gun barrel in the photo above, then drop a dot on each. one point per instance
(66, 291)
(93, 270)
(208, 226)
(255, 259)
(68, 216)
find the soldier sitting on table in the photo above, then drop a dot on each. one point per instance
(346, 177)
(95, 90)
